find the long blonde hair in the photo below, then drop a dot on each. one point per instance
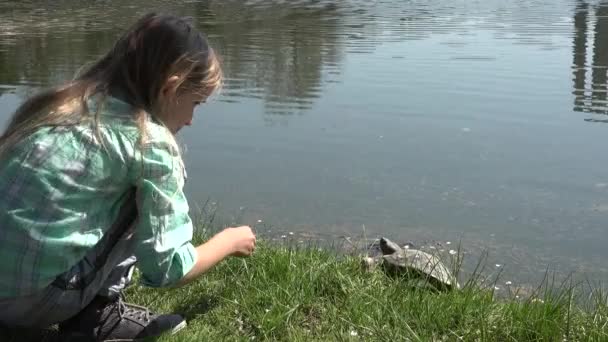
(135, 70)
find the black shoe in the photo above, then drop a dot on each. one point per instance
(114, 320)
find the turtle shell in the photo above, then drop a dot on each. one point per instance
(408, 260)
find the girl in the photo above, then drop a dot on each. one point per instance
(91, 182)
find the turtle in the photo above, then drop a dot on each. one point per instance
(396, 260)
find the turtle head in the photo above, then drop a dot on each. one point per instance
(388, 247)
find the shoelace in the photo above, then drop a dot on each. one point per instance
(132, 310)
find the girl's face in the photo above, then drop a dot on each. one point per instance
(180, 109)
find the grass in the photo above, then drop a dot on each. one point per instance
(286, 292)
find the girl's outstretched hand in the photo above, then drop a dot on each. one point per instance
(234, 241)
(240, 239)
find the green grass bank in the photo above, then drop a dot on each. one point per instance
(302, 293)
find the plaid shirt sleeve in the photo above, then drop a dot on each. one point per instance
(164, 229)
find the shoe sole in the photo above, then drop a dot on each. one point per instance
(173, 331)
(179, 327)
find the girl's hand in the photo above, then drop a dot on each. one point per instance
(240, 240)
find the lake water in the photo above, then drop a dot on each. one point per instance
(481, 121)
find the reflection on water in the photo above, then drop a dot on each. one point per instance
(279, 54)
(590, 95)
(421, 119)
(283, 52)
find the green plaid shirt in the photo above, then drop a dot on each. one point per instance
(60, 192)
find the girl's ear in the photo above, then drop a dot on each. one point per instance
(170, 86)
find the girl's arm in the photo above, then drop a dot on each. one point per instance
(165, 254)
(239, 241)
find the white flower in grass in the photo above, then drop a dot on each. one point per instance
(508, 283)
(259, 221)
(283, 236)
(496, 288)
(290, 233)
(448, 243)
(498, 265)
(353, 333)
(452, 252)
